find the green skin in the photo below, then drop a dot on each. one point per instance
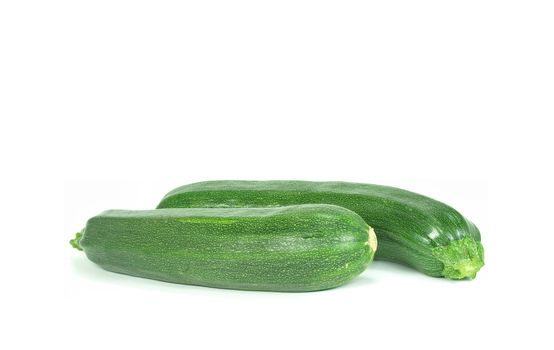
(411, 229)
(289, 249)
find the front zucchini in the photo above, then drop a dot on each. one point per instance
(296, 248)
(412, 229)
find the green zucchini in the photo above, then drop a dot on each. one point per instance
(411, 229)
(294, 248)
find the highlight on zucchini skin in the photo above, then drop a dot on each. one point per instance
(287, 249)
(412, 229)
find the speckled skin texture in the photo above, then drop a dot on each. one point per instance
(296, 248)
(411, 229)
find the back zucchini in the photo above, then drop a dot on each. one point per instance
(412, 229)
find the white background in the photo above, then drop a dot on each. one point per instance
(110, 104)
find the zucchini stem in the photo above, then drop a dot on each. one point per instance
(462, 258)
(75, 241)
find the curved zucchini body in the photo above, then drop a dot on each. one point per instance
(295, 248)
(411, 229)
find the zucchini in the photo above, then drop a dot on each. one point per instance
(294, 249)
(412, 229)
